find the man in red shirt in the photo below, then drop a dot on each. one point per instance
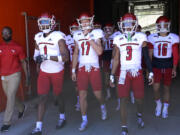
(12, 60)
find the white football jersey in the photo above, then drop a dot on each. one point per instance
(70, 44)
(49, 46)
(163, 45)
(130, 51)
(87, 55)
(109, 41)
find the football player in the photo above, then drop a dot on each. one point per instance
(88, 47)
(74, 27)
(97, 25)
(108, 46)
(164, 54)
(129, 47)
(51, 53)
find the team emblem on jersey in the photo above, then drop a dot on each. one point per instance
(135, 39)
(169, 38)
(121, 38)
(79, 34)
(92, 35)
(13, 51)
(50, 39)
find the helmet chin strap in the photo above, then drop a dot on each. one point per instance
(46, 31)
(86, 28)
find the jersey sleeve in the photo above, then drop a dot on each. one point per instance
(37, 36)
(98, 33)
(116, 41)
(150, 41)
(75, 36)
(175, 39)
(59, 35)
(143, 38)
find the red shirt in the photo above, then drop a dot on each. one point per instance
(11, 55)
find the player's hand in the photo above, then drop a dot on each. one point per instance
(151, 78)
(111, 83)
(40, 59)
(174, 73)
(74, 77)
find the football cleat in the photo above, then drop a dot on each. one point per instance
(124, 131)
(83, 125)
(61, 123)
(36, 131)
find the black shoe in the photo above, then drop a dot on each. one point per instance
(61, 123)
(140, 121)
(124, 131)
(5, 128)
(21, 114)
(36, 131)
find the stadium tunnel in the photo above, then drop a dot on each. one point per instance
(22, 15)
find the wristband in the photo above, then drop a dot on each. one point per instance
(73, 70)
(59, 58)
(112, 78)
(151, 75)
(48, 57)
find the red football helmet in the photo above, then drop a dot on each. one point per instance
(85, 21)
(97, 25)
(46, 22)
(163, 24)
(128, 23)
(108, 28)
(73, 27)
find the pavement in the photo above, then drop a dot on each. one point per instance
(111, 126)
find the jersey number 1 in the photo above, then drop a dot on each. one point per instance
(85, 48)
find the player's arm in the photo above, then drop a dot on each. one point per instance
(75, 61)
(113, 51)
(145, 52)
(175, 58)
(97, 45)
(37, 57)
(64, 57)
(115, 63)
(151, 49)
(115, 56)
(36, 52)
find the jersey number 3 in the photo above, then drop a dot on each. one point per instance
(85, 48)
(129, 53)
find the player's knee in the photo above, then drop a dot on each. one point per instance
(82, 95)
